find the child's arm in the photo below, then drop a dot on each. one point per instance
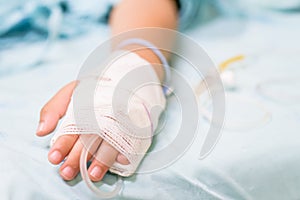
(135, 14)
(127, 15)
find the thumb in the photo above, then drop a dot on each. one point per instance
(55, 109)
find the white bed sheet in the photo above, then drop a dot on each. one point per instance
(260, 163)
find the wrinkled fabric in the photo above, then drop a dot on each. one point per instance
(18, 16)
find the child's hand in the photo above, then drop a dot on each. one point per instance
(144, 106)
(69, 147)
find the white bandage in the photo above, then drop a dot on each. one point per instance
(127, 102)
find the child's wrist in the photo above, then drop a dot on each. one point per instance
(153, 55)
(149, 56)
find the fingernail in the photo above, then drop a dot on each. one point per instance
(55, 156)
(68, 172)
(40, 127)
(96, 172)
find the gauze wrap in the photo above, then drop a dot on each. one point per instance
(124, 108)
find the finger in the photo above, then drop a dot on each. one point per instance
(122, 159)
(70, 168)
(104, 159)
(62, 148)
(55, 109)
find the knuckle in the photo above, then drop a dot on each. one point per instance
(72, 137)
(44, 110)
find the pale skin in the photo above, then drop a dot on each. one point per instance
(127, 15)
